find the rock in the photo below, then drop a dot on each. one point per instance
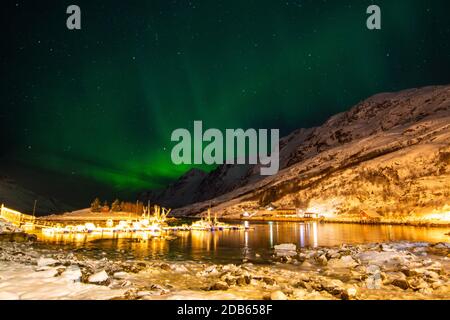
(306, 264)
(351, 292)
(303, 284)
(301, 257)
(125, 283)
(286, 246)
(44, 262)
(286, 250)
(240, 281)
(426, 291)
(278, 295)
(72, 273)
(209, 271)
(304, 277)
(179, 268)
(383, 258)
(419, 250)
(391, 276)
(269, 281)
(442, 245)
(299, 294)
(143, 293)
(229, 267)
(322, 260)
(431, 275)
(374, 281)
(334, 286)
(332, 254)
(229, 280)
(437, 284)
(165, 267)
(120, 275)
(417, 283)
(408, 271)
(347, 294)
(372, 269)
(401, 283)
(436, 267)
(343, 262)
(99, 277)
(158, 288)
(220, 285)
(354, 275)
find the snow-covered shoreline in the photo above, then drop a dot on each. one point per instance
(400, 270)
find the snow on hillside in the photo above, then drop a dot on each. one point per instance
(389, 153)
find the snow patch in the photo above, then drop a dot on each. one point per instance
(98, 277)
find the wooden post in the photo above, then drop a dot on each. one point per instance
(34, 208)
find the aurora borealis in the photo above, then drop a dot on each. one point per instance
(99, 104)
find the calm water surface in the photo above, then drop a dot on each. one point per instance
(228, 246)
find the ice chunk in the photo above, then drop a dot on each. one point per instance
(286, 247)
(98, 277)
(343, 262)
(72, 273)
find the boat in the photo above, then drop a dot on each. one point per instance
(208, 224)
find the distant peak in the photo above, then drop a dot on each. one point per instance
(194, 172)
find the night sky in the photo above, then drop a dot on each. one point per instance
(96, 107)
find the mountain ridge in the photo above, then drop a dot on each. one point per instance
(375, 129)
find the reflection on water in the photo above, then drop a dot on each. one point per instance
(234, 246)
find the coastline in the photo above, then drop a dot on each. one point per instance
(339, 221)
(82, 215)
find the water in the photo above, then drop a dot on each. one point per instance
(254, 245)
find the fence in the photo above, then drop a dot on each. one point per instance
(15, 217)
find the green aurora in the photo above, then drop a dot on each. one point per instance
(100, 104)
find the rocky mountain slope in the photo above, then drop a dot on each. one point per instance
(19, 198)
(389, 154)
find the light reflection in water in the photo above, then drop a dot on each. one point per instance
(302, 235)
(271, 233)
(233, 246)
(315, 241)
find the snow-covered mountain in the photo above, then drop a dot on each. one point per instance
(390, 153)
(197, 185)
(180, 192)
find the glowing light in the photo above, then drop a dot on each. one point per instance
(271, 233)
(315, 236)
(444, 216)
(302, 235)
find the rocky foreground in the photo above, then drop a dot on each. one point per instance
(373, 271)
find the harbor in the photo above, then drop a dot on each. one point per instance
(154, 221)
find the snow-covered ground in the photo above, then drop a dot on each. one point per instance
(372, 271)
(25, 282)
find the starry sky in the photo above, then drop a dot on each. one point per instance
(91, 111)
